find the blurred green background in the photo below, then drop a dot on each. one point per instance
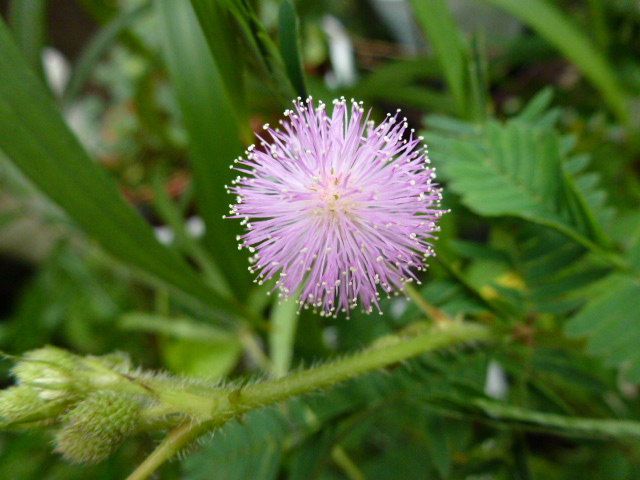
(118, 123)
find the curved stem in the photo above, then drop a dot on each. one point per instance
(387, 351)
(215, 409)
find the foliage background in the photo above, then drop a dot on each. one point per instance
(112, 237)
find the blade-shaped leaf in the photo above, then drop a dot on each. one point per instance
(221, 34)
(257, 47)
(28, 23)
(213, 137)
(443, 34)
(508, 416)
(35, 137)
(290, 46)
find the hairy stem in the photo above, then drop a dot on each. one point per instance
(392, 349)
(225, 405)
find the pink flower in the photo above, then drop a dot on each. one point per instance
(336, 208)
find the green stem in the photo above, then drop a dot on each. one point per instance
(343, 460)
(282, 334)
(215, 409)
(438, 316)
(220, 405)
(395, 350)
(170, 446)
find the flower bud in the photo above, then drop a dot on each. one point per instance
(23, 405)
(96, 426)
(118, 362)
(49, 370)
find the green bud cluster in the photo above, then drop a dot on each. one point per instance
(95, 402)
(45, 389)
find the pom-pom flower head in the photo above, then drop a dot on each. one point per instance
(335, 207)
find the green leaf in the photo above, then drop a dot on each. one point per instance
(521, 169)
(552, 25)
(63, 290)
(537, 107)
(229, 21)
(187, 346)
(510, 169)
(28, 21)
(205, 360)
(438, 431)
(561, 380)
(251, 449)
(465, 297)
(478, 102)
(311, 456)
(632, 252)
(100, 10)
(214, 140)
(610, 323)
(452, 298)
(262, 52)
(35, 137)
(221, 33)
(598, 17)
(288, 36)
(554, 270)
(440, 28)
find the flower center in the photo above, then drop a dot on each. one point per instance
(333, 197)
